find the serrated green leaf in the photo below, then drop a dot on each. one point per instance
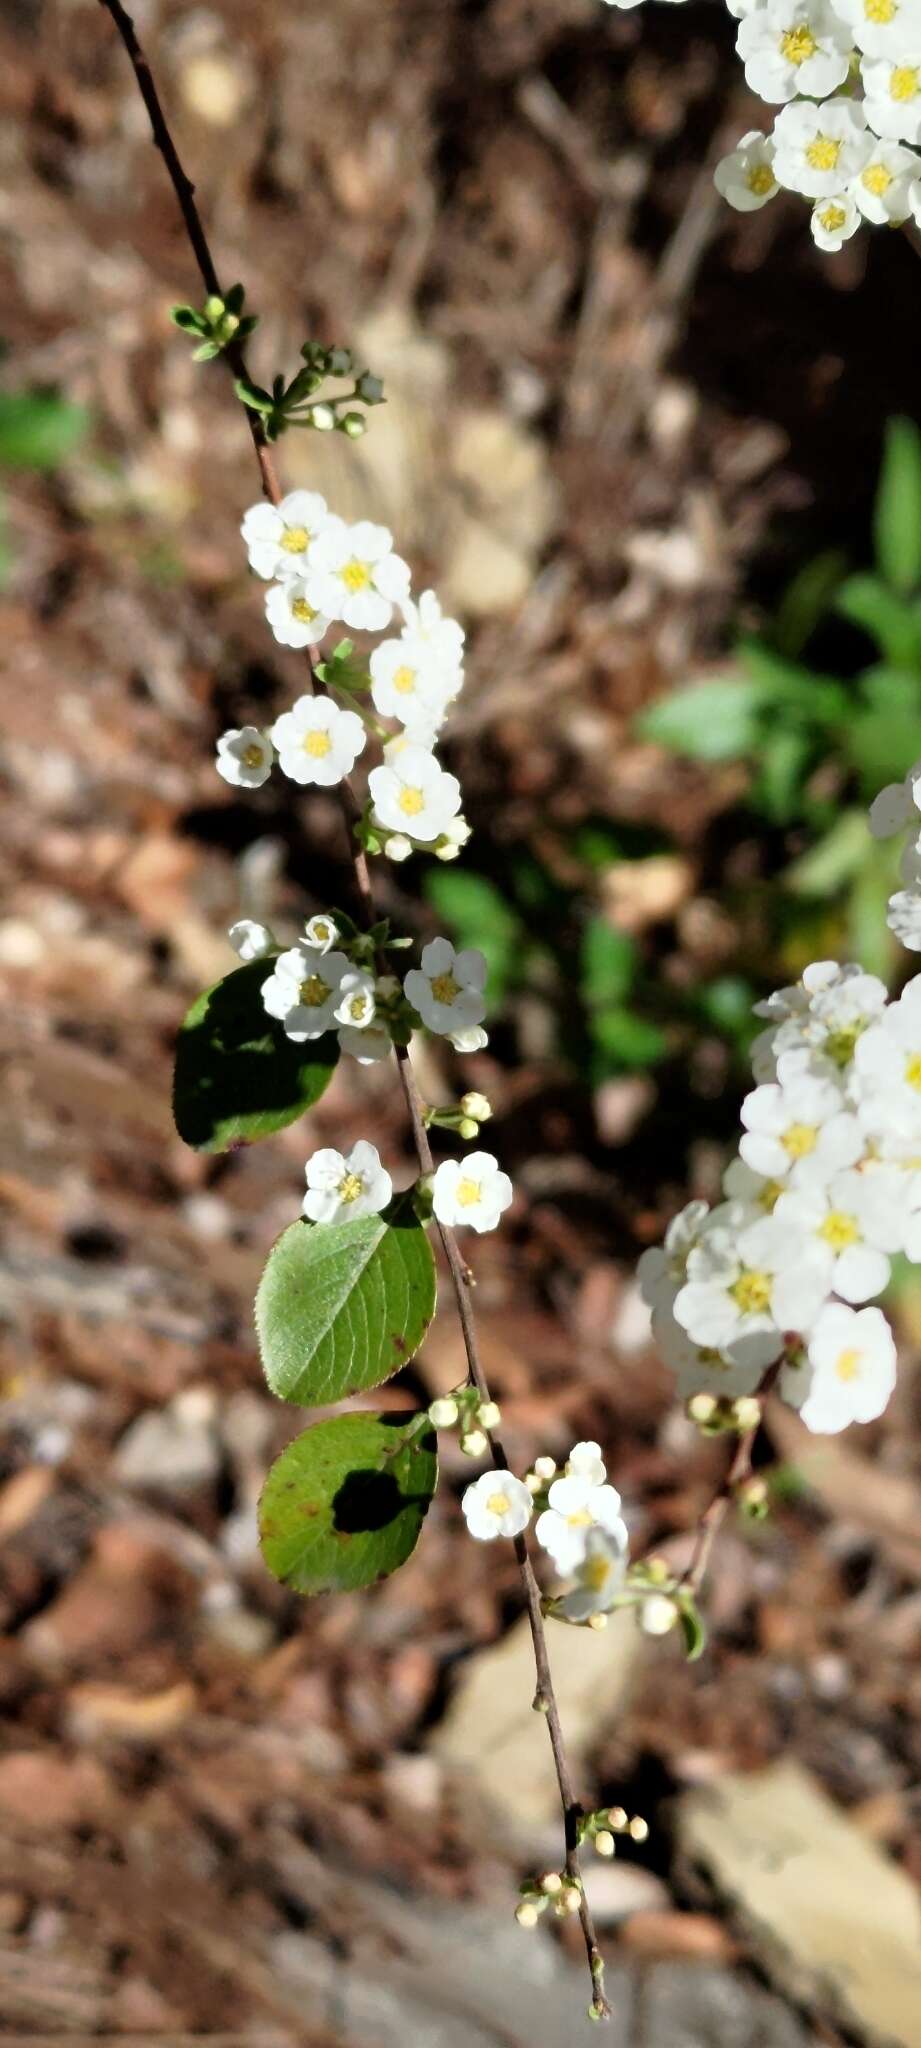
(237, 1076)
(342, 1306)
(897, 514)
(344, 1504)
(38, 429)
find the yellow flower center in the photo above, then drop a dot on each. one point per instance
(832, 219)
(823, 153)
(252, 757)
(350, 1187)
(444, 988)
(498, 1503)
(839, 1045)
(798, 44)
(596, 1572)
(913, 1070)
(579, 1519)
(403, 680)
(317, 744)
(770, 1195)
(880, 10)
(877, 180)
(295, 539)
(760, 180)
(358, 1007)
(799, 1139)
(314, 991)
(468, 1192)
(356, 575)
(847, 1365)
(904, 82)
(412, 802)
(322, 932)
(839, 1230)
(303, 611)
(752, 1293)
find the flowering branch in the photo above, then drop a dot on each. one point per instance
(221, 336)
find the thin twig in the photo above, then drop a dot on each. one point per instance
(735, 1475)
(461, 1278)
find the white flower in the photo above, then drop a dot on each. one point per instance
(854, 1221)
(277, 537)
(293, 619)
(353, 574)
(447, 990)
(576, 1506)
(303, 990)
(356, 1005)
(367, 1044)
(406, 684)
(834, 220)
(321, 931)
(251, 940)
(794, 46)
(245, 756)
(897, 805)
(701, 1368)
(887, 1070)
(892, 93)
(599, 1577)
(342, 1188)
(745, 1289)
(853, 1360)
(413, 794)
(442, 638)
(317, 741)
(746, 176)
(903, 916)
(817, 150)
(663, 1268)
(471, 1190)
(883, 28)
(471, 1040)
(800, 1124)
(752, 1192)
(586, 1462)
(497, 1504)
(881, 190)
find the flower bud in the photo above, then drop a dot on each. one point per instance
(488, 1415)
(527, 1914)
(467, 1128)
(753, 1499)
(214, 309)
(474, 1443)
(340, 362)
(443, 1414)
(638, 1829)
(370, 388)
(445, 849)
(702, 1408)
(598, 1622)
(617, 1819)
(746, 1412)
(322, 417)
(551, 1883)
(605, 1843)
(657, 1615)
(571, 1899)
(476, 1106)
(657, 1571)
(545, 1468)
(354, 425)
(397, 846)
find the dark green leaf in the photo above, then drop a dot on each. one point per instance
(38, 429)
(692, 1628)
(237, 1076)
(608, 963)
(344, 1504)
(783, 761)
(342, 1306)
(187, 318)
(623, 1039)
(716, 720)
(889, 619)
(806, 599)
(881, 737)
(253, 395)
(897, 514)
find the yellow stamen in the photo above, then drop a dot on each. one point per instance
(839, 1230)
(880, 10)
(468, 1192)
(314, 992)
(579, 1519)
(760, 180)
(317, 744)
(356, 575)
(913, 1070)
(498, 1503)
(823, 153)
(847, 1365)
(303, 611)
(832, 219)
(799, 1139)
(403, 680)
(351, 1187)
(877, 180)
(752, 1293)
(295, 539)
(252, 757)
(445, 989)
(411, 802)
(904, 82)
(596, 1572)
(798, 44)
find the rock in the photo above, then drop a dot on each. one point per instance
(96, 1710)
(616, 1891)
(835, 1920)
(698, 1936)
(173, 1450)
(493, 1738)
(695, 2005)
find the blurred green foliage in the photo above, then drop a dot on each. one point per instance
(38, 430)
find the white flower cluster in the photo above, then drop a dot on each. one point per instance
(341, 1187)
(896, 809)
(315, 987)
(581, 1527)
(826, 1189)
(323, 571)
(847, 77)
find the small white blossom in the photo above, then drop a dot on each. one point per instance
(497, 1504)
(471, 1190)
(903, 916)
(897, 805)
(819, 149)
(882, 28)
(798, 1124)
(318, 742)
(353, 574)
(413, 794)
(792, 47)
(245, 756)
(577, 1505)
(658, 1614)
(663, 1268)
(745, 178)
(473, 1039)
(367, 1044)
(586, 1462)
(834, 220)
(754, 1192)
(303, 990)
(892, 93)
(293, 619)
(701, 1368)
(356, 1005)
(855, 1222)
(887, 1070)
(882, 191)
(405, 684)
(321, 931)
(447, 990)
(250, 939)
(744, 1290)
(599, 1576)
(340, 1188)
(443, 639)
(278, 537)
(853, 1368)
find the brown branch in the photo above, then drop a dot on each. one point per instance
(735, 1475)
(461, 1277)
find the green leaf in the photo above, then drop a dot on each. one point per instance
(806, 599)
(807, 696)
(834, 860)
(622, 1039)
(187, 319)
(344, 1504)
(253, 395)
(888, 618)
(692, 1627)
(38, 429)
(237, 1076)
(716, 720)
(783, 762)
(478, 915)
(881, 737)
(608, 963)
(897, 514)
(342, 1306)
